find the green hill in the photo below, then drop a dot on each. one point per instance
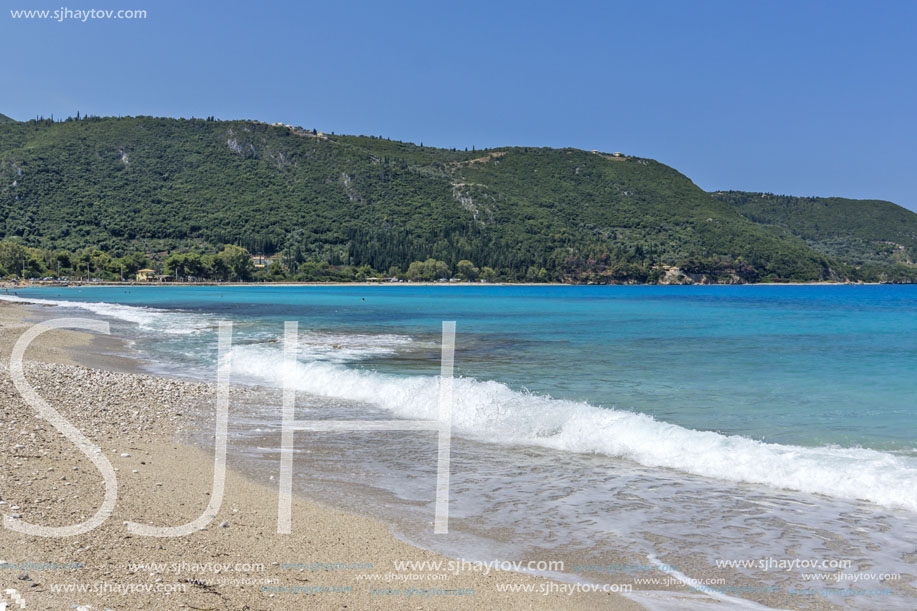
(147, 185)
(857, 232)
(5, 119)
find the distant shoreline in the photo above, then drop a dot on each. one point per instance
(82, 284)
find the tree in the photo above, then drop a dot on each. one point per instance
(181, 265)
(428, 270)
(362, 273)
(277, 271)
(175, 266)
(13, 257)
(415, 271)
(194, 265)
(436, 269)
(237, 261)
(34, 266)
(214, 267)
(535, 274)
(466, 270)
(62, 260)
(131, 263)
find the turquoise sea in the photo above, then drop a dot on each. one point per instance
(799, 400)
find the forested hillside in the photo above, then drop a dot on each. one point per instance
(141, 189)
(859, 232)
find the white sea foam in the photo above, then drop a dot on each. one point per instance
(146, 318)
(491, 411)
(344, 347)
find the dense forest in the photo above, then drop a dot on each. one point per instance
(104, 197)
(862, 233)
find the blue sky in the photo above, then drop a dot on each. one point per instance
(806, 98)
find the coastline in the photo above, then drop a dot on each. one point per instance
(345, 482)
(133, 284)
(136, 420)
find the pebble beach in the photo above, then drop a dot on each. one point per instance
(237, 561)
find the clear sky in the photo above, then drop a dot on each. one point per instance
(804, 98)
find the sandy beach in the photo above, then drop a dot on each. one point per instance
(332, 559)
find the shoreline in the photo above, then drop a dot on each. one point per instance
(136, 419)
(130, 284)
(188, 461)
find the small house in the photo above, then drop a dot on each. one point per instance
(143, 275)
